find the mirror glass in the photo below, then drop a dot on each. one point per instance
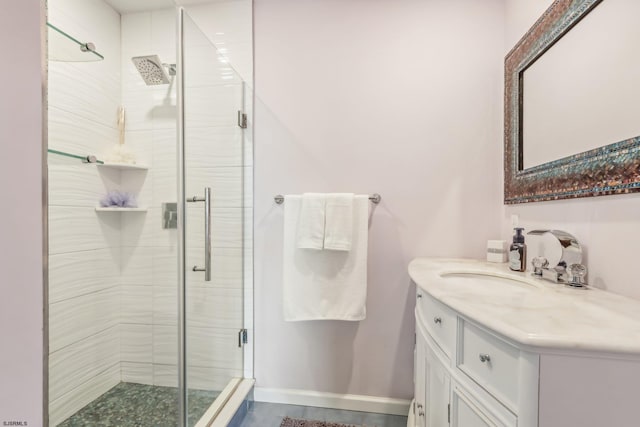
(571, 109)
(583, 92)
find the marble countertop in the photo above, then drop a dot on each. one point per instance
(530, 311)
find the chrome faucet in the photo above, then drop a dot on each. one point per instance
(569, 270)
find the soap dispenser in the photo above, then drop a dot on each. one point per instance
(518, 251)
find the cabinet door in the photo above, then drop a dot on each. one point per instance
(466, 412)
(466, 415)
(437, 383)
(419, 379)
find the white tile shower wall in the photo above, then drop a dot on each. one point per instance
(88, 391)
(92, 356)
(84, 247)
(399, 98)
(151, 134)
(607, 227)
(149, 271)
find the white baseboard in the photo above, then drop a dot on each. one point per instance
(351, 402)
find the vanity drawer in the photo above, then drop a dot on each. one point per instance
(490, 362)
(440, 321)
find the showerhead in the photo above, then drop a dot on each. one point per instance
(152, 69)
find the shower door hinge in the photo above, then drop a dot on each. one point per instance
(243, 337)
(242, 119)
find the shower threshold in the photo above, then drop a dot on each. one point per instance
(140, 405)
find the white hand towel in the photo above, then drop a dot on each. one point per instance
(338, 224)
(310, 229)
(319, 285)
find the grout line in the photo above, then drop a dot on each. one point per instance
(103, 125)
(106, 248)
(116, 285)
(103, 290)
(117, 326)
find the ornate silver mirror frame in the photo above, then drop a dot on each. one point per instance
(610, 169)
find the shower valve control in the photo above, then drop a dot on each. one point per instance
(169, 215)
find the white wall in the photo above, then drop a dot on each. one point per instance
(399, 98)
(607, 227)
(21, 287)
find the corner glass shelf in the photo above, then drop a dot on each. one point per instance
(124, 166)
(88, 158)
(100, 209)
(65, 48)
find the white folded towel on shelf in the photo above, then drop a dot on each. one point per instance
(338, 224)
(310, 229)
(326, 284)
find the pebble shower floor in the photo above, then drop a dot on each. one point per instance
(140, 405)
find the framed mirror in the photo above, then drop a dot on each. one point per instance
(572, 109)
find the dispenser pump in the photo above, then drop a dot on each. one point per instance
(518, 237)
(518, 251)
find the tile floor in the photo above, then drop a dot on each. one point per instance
(271, 415)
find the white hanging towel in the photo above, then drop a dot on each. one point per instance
(325, 285)
(338, 223)
(310, 228)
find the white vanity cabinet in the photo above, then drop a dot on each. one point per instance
(453, 385)
(501, 349)
(432, 386)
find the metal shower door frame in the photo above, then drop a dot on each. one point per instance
(182, 341)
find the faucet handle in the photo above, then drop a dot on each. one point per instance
(539, 263)
(577, 272)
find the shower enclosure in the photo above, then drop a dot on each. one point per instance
(148, 197)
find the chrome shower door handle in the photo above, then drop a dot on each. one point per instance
(207, 232)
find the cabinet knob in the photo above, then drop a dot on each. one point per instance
(419, 296)
(421, 413)
(484, 358)
(437, 320)
(420, 406)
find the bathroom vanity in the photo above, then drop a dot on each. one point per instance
(501, 348)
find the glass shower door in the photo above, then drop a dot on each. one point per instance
(212, 185)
